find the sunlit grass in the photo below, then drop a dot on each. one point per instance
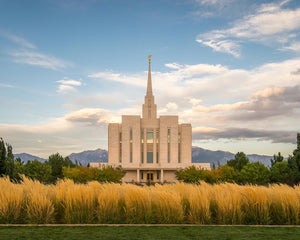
(226, 203)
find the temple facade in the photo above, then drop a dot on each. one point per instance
(150, 148)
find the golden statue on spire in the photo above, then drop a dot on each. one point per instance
(149, 58)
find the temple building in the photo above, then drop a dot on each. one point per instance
(150, 148)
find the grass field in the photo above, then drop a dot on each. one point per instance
(149, 232)
(66, 202)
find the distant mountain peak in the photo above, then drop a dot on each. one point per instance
(199, 154)
(25, 157)
(85, 157)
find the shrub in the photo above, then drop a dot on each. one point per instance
(82, 174)
(255, 173)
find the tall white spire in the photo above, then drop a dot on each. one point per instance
(149, 85)
(149, 107)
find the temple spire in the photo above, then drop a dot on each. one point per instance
(149, 85)
(149, 107)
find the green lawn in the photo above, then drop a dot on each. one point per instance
(153, 232)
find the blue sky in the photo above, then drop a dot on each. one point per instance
(230, 67)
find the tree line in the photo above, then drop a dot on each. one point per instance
(240, 170)
(55, 168)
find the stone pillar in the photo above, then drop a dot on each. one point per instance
(145, 145)
(162, 176)
(154, 145)
(138, 175)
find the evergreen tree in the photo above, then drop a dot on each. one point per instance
(240, 160)
(276, 158)
(57, 162)
(294, 163)
(9, 163)
(298, 141)
(6, 159)
(68, 163)
(2, 157)
(280, 173)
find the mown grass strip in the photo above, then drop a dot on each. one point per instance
(149, 232)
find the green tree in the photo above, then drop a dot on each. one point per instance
(294, 163)
(213, 166)
(191, 175)
(2, 157)
(68, 163)
(9, 164)
(294, 170)
(109, 174)
(6, 159)
(57, 162)
(239, 161)
(280, 173)
(38, 171)
(228, 174)
(19, 169)
(255, 173)
(276, 158)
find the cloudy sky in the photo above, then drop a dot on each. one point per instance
(229, 67)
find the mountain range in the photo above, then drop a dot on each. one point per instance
(199, 155)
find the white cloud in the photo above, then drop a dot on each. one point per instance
(225, 46)
(4, 85)
(173, 65)
(91, 116)
(70, 82)
(194, 84)
(28, 54)
(219, 107)
(219, 3)
(172, 106)
(68, 85)
(77, 131)
(117, 77)
(270, 23)
(38, 59)
(18, 40)
(294, 46)
(194, 101)
(268, 92)
(206, 130)
(65, 89)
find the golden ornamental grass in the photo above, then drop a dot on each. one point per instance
(110, 204)
(166, 204)
(76, 202)
(38, 205)
(256, 204)
(11, 200)
(226, 203)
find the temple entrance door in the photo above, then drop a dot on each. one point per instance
(150, 176)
